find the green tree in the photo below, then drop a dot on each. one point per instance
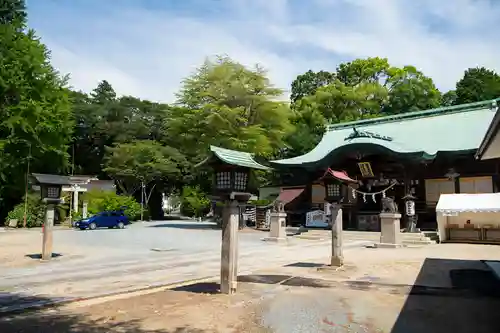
(194, 201)
(371, 87)
(306, 84)
(225, 104)
(99, 201)
(141, 163)
(407, 88)
(13, 12)
(477, 84)
(104, 120)
(360, 89)
(103, 94)
(449, 98)
(34, 111)
(309, 127)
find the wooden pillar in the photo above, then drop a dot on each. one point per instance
(229, 248)
(337, 258)
(48, 233)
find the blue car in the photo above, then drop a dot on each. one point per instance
(113, 219)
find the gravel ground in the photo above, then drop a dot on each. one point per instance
(375, 292)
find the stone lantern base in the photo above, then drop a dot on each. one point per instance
(277, 232)
(390, 230)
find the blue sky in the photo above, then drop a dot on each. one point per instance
(146, 47)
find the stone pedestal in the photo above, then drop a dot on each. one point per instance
(337, 255)
(85, 209)
(75, 201)
(277, 232)
(47, 233)
(229, 249)
(337, 258)
(390, 230)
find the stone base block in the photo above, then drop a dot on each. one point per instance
(329, 268)
(274, 239)
(388, 246)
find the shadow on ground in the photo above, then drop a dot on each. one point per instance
(176, 218)
(189, 226)
(469, 303)
(57, 321)
(38, 256)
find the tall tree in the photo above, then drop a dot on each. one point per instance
(141, 163)
(13, 12)
(360, 89)
(104, 120)
(449, 98)
(103, 94)
(478, 84)
(306, 84)
(228, 105)
(407, 88)
(34, 110)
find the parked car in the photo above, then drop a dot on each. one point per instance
(112, 219)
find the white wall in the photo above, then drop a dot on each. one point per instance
(266, 192)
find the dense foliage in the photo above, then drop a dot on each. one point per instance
(35, 113)
(194, 202)
(100, 201)
(148, 148)
(35, 211)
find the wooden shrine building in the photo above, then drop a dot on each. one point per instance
(425, 154)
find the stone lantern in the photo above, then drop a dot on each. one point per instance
(231, 182)
(411, 217)
(50, 190)
(333, 196)
(231, 185)
(333, 189)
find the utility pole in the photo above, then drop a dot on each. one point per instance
(25, 222)
(71, 198)
(142, 201)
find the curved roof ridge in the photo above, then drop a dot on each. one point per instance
(238, 158)
(417, 114)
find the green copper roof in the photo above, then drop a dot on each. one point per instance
(235, 157)
(424, 133)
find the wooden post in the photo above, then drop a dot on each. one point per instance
(229, 248)
(47, 233)
(337, 259)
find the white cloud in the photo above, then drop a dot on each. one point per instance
(146, 53)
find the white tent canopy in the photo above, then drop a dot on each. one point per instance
(469, 217)
(466, 202)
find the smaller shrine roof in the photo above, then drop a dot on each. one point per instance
(289, 194)
(422, 134)
(41, 178)
(235, 157)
